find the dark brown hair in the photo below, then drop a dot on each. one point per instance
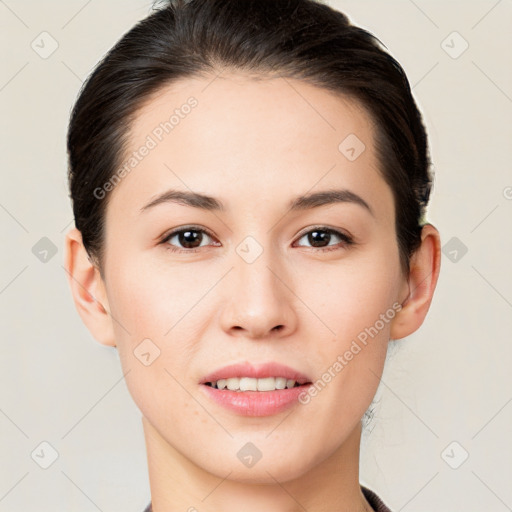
(302, 39)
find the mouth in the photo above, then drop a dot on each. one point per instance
(248, 390)
(256, 390)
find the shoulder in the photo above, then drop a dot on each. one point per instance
(374, 500)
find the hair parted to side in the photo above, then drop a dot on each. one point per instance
(301, 39)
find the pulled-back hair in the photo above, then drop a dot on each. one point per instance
(301, 39)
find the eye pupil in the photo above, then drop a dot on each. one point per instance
(186, 238)
(321, 236)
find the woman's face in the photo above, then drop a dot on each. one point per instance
(189, 304)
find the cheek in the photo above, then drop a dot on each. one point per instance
(152, 298)
(355, 300)
(349, 296)
(152, 317)
(158, 313)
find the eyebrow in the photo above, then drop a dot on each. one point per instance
(300, 203)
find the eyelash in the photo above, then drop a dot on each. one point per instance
(346, 239)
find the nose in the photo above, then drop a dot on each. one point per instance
(260, 303)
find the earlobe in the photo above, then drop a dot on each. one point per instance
(424, 271)
(88, 289)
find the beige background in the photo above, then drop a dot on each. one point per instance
(449, 382)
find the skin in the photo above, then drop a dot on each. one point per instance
(254, 145)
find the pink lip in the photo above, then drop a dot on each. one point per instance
(261, 371)
(256, 403)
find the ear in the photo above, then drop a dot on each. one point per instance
(419, 288)
(88, 289)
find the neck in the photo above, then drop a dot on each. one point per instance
(177, 484)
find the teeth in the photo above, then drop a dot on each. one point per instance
(250, 384)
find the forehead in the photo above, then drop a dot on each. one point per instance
(245, 138)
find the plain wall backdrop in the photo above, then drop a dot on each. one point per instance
(440, 439)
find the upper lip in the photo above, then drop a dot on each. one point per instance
(260, 371)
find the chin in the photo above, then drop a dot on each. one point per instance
(262, 472)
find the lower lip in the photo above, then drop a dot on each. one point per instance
(256, 403)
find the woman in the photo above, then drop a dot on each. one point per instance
(249, 182)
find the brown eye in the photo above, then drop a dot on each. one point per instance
(321, 238)
(186, 239)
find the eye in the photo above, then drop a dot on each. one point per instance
(190, 238)
(320, 236)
